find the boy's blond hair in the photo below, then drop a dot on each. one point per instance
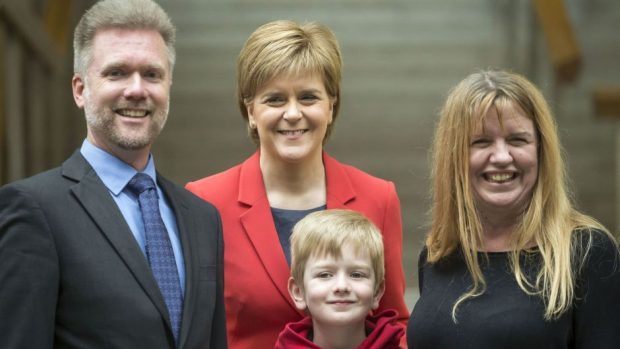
(323, 233)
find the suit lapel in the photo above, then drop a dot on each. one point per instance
(99, 205)
(186, 225)
(258, 224)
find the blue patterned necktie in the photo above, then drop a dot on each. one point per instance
(159, 249)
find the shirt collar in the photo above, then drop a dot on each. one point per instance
(114, 173)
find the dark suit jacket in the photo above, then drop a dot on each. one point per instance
(73, 276)
(258, 305)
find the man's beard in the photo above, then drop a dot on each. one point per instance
(101, 121)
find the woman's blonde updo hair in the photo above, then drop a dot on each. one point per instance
(287, 48)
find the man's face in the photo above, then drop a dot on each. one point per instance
(126, 88)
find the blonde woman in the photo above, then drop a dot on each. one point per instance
(508, 262)
(288, 90)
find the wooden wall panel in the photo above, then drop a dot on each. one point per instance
(58, 24)
(37, 116)
(14, 84)
(3, 128)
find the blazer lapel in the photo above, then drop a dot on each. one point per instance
(99, 205)
(186, 225)
(258, 224)
(340, 190)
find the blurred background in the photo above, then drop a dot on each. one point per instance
(400, 59)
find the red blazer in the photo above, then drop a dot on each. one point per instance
(258, 305)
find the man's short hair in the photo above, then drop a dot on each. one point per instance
(124, 14)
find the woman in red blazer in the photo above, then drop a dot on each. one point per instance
(288, 90)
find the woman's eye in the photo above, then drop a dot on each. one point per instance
(308, 99)
(274, 101)
(480, 142)
(519, 141)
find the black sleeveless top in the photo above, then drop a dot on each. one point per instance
(284, 221)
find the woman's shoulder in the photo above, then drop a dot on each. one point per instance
(594, 239)
(357, 176)
(216, 182)
(596, 250)
(223, 176)
(450, 260)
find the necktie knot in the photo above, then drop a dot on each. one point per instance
(140, 183)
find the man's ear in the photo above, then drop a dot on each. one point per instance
(77, 85)
(378, 294)
(297, 294)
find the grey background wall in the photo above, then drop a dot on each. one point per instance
(400, 59)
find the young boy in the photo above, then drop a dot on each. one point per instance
(337, 276)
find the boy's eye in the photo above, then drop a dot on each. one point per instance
(324, 275)
(358, 275)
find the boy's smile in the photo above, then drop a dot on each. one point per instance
(339, 291)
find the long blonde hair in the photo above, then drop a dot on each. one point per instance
(550, 221)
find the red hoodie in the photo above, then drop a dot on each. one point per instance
(385, 333)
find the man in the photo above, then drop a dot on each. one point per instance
(94, 254)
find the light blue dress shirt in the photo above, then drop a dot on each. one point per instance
(115, 174)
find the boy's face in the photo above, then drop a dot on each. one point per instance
(339, 291)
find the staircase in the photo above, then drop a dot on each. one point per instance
(400, 59)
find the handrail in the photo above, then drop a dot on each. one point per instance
(560, 38)
(607, 101)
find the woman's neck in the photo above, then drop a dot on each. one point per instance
(294, 185)
(497, 229)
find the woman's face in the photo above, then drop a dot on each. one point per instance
(503, 161)
(291, 114)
